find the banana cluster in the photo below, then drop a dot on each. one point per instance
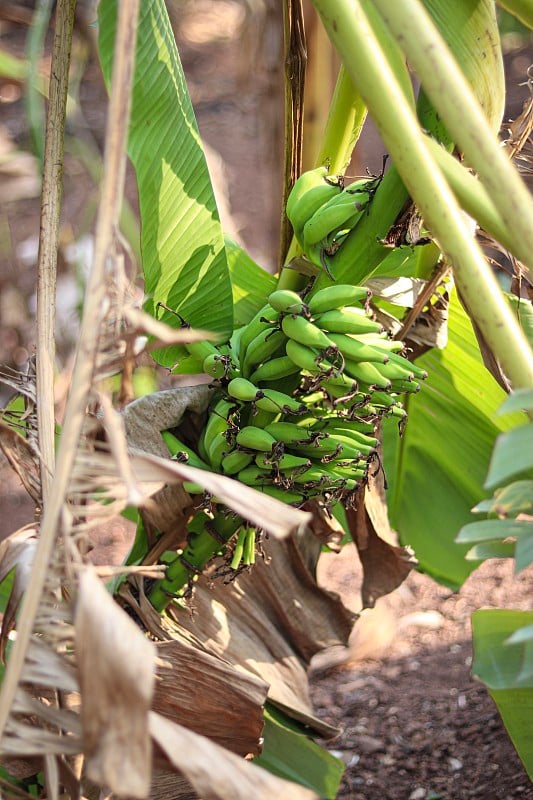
(299, 391)
(322, 211)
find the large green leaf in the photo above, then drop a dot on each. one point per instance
(290, 754)
(503, 660)
(512, 456)
(184, 258)
(436, 471)
(251, 284)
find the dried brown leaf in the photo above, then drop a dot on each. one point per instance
(16, 552)
(23, 458)
(271, 621)
(215, 773)
(116, 664)
(385, 566)
(208, 695)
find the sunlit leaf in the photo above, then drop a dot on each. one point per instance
(250, 284)
(183, 252)
(436, 471)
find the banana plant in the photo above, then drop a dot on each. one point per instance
(312, 377)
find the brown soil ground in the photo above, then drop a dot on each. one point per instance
(414, 723)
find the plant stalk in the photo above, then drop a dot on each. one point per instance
(52, 190)
(360, 50)
(457, 105)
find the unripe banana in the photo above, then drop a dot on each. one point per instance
(274, 369)
(419, 373)
(261, 418)
(181, 452)
(289, 433)
(200, 350)
(308, 359)
(355, 350)
(305, 332)
(337, 296)
(288, 496)
(287, 302)
(219, 366)
(347, 320)
(243, 389)
(343, 428)
(254, 476)
(397, 371)
(217, 432)
(272, 400)
(312, 189)
(253, 438)
(382, 341)
(286, 462)
(346, 438)
(364, 372)
(261, 348)
(340, 213)
(235, 461)
(266, 317)
(402, 387)
(384, 399)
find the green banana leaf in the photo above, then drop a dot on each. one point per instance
(184, 257)
(251, 284)
(503, 661)
(290, 754)
(436, 470)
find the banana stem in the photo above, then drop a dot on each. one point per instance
(464, 118)
(472, 195)
(353, 36)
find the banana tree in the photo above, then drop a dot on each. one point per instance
(311, 387)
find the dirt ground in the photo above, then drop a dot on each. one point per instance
(414, 724)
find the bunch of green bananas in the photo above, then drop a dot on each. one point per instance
(323, 211)
(298, 393)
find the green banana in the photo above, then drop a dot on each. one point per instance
(304, 332)
(218, 432)
(274, 369)
(397, 371)
(252, 438)
(340, 213)
(289, 433)
(288, 496)
(308, 359)
(200, 350)
(260, 349)
(287, 302)
(285, 462)
(382, 341)
(243, 389)
(235, 461)
(347, 320)
(403, 387)
(419, 373)
(272, 400)
(181, 452)
(365, 372)
(310, 191)
(337, 296)
(345, 436)
(355, 350)
(255, 476)
(266, 317)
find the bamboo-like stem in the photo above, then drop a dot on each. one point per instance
(352, 35)
(52, 190)
(472, 195)
(457, 105)
(112, 189)
(294, 83)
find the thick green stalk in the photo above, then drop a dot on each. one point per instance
(360, 51)
(345, 121)
(456, 103)
(472, 195)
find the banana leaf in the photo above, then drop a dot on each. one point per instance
(436, 471)
(183, 252)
